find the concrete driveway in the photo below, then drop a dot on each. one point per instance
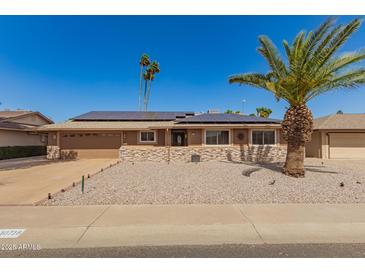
(28, 185)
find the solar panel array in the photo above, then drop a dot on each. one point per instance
(132, 116)
(226, 118)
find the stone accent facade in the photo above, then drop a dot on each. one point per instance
(53, 152)
(143, 153)
(207, 153)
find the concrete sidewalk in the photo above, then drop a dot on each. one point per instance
(147, 225)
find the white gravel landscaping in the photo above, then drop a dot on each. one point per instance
(330, 181)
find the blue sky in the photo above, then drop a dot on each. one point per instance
(67, 65)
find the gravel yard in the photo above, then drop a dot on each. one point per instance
(331, 181)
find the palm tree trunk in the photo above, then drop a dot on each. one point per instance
(148, 94)
(145, 96)
(140, 88)
(297, 130)
(294, 164)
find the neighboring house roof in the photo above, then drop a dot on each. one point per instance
(227, 118)
(10, 115)
(132, 115)
(12, 120)
(6, 114)
(340, 121)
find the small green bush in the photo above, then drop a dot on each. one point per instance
(21, 151)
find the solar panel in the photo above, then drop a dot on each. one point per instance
(226, 118)
(132, 116)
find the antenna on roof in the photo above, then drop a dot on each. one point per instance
(243, 106)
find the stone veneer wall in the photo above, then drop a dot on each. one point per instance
(207, 153)
(138, 154)
(53, 152)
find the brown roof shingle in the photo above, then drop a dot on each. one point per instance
(5, 114)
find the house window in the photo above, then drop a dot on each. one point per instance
(263, 137)
(147, 136)
(217, 137)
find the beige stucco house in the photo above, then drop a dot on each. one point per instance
(19, 128)
(338, 136)
(166, 136)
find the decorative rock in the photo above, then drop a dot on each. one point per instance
(53, 152)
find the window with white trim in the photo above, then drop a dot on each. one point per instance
(263, 137)
(147, 136)
(217, 137)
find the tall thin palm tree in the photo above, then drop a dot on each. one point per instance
(143, 62)
(153, 69)
(311, 69)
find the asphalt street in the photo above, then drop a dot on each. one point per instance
(209, 251)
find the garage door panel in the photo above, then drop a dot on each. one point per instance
(347, 145)
(91, 141)
(89, 145)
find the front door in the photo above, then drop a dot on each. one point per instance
(178, 138)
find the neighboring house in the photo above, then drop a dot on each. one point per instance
(19, 128)
(166, 136)
(338, 136)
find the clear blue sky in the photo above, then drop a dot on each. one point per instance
(65, 66)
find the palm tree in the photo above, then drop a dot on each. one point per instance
(143, 62)
(312, 68)
(263, 112)
(151, 71)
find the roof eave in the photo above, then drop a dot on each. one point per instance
(45, 129)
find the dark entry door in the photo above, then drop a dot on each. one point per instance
(178, 138)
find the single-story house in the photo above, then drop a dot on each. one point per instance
(166, 136)
(338, 136)
(19, 128)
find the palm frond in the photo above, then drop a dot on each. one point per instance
(316, 55)
(338, 40)
(315, 37)
(252, 79)
(347, 59)
(271, 54)
(318, 35)
(287, 49)
(349, 79)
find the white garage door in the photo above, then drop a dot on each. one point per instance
(347, 145)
